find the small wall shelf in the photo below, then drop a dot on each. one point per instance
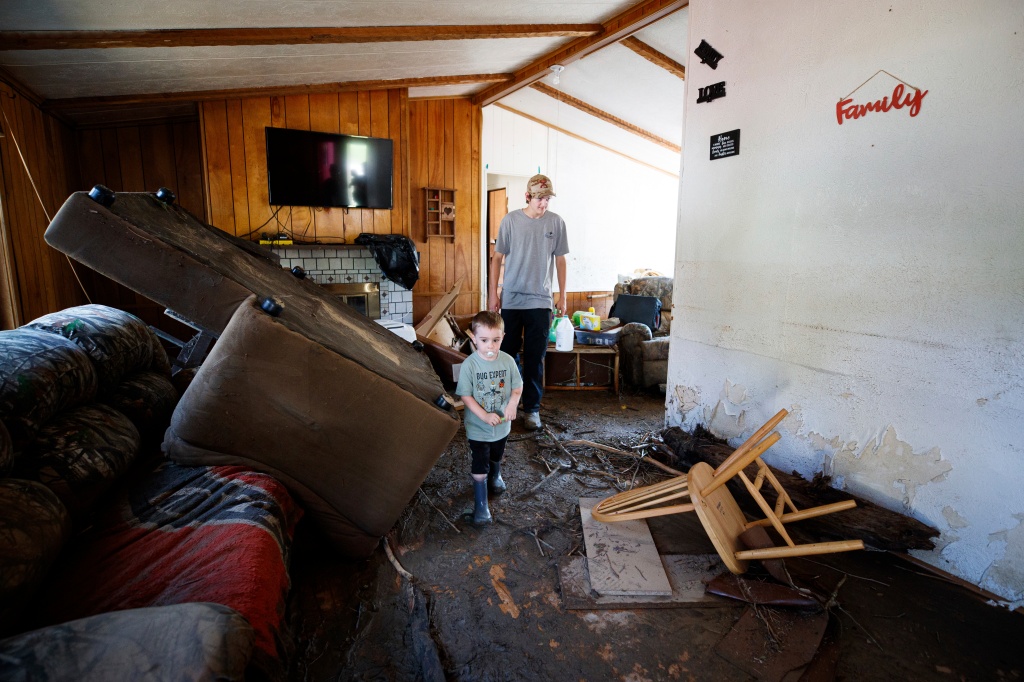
(440, 212)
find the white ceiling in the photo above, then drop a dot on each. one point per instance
(614, 79)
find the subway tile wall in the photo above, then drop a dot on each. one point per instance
(340, 264)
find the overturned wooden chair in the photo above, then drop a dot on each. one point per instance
(707, 495)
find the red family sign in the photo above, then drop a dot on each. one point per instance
(845, 108)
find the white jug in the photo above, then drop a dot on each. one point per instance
(564, 334)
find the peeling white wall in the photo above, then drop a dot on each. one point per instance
(868, 276)
(621, 215)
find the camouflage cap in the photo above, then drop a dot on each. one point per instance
(540, 186)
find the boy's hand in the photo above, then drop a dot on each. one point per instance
(493, 419)
(510, 412)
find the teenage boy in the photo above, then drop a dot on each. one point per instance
(532, 243)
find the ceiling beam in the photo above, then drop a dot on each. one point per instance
(655, 57)
(605, 116)
(615, 29)
(272, 91)
(584, 139)
(81, 40)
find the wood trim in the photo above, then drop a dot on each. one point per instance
(614, 30)
(583, 139)
(332, 35)
(57, 105)
(655, 57)
(604, 116)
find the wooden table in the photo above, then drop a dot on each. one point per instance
(607, 356)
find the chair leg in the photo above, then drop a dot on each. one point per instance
(808, 513)
(800, 550)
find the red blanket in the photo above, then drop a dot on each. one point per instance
(186, 534)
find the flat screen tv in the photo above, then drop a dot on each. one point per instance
(306, 168)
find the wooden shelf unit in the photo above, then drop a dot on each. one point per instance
(439, 216)
(584, 368)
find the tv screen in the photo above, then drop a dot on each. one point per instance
(306, 168)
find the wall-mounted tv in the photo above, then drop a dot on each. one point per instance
(306, 168)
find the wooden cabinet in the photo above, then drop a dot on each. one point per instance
(440, 212)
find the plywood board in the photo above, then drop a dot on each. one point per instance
(687, 574)
(621, 557)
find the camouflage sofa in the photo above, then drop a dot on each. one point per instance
(115, 563)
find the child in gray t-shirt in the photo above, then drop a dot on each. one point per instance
(490, 387)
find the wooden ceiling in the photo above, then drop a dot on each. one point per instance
(77, 58)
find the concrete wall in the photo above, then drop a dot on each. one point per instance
(620, 214)
(867, 276)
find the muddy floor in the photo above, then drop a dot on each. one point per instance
(485, 603)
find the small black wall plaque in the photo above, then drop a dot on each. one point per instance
(725, 144)
(711, 92)
(708, 55)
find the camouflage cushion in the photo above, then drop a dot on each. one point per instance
(40, 375)
(117, 342)
(33, 527)
(147, 399)
(79, 454)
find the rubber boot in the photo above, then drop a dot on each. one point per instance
(495, 484)
(481, 512)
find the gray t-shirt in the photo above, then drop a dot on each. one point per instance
(530, 246)
(490, 383)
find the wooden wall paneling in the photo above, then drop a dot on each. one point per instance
(348, 113)
(237, 149)
(348, 121)
(365, 128)
(462, 165)
(157, 157)
(111, 159)
(38, 295)
(296, 112)
(398, 114)
(478, 194)
(220, 200)
(329, 223)
(129, 155)
(90, 173)
(256, 116)
(188, 168)
(90, 159)
(39, 278)
(436, 178)
(449, 181)
(380, 119)
(417, 173)
(417, 180)
(12, 306)
(296, 116)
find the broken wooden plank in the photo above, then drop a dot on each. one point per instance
(687, 575)
(437, 313)
(875, 525)
(621, 557)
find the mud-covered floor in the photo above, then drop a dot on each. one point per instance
(485, 603)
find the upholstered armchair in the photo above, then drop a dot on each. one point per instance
(643, 352)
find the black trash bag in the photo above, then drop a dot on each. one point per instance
(396, 256)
